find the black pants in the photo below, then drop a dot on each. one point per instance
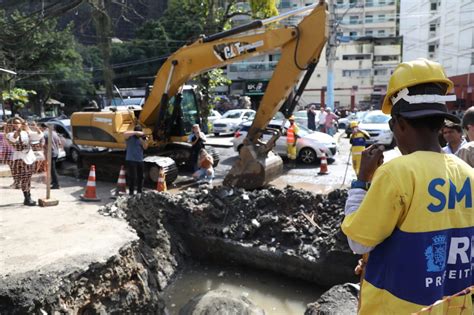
(134, 176)
(54, 172)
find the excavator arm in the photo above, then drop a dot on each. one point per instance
(300, 47)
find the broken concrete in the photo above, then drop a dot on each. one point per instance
(340, 299)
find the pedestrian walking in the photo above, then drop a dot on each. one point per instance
(413, 215)
(311, 115)
(291, 139)
(23, 157)
(197, 139)
(136, 143)
(466, 152)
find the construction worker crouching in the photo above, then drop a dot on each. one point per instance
(414, 214)
(291, 139)
(358, 140)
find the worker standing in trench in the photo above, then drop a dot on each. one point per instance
(413, 214)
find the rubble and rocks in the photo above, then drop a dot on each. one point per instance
(290, 231)
(220, 302)
(340, 299)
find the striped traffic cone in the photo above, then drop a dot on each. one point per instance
(121, 183)
(90, 194)
(161, 184)
(323, 167)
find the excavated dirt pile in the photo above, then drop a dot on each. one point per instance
(290, 231)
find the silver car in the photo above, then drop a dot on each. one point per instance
(230, 121)
(376, 124)
(309, 148)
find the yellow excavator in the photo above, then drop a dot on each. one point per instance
(171, 108)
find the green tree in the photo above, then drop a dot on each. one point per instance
(45, 59)
(262, 9)
(17, 98)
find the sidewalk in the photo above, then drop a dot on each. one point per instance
(63, 238)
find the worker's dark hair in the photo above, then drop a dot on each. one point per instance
(431, 123)
(451, 125)
(468, 118)
(137, 128)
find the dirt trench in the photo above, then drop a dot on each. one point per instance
(289, 231)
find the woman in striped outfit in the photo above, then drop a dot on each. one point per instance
(23, 157)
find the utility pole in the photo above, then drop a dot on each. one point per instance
(331, 54)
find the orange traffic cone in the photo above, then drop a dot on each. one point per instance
(89, 194)
(323, 167)
(161, 184)
(121, 183)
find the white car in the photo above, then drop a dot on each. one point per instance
(230, 121)
(376, 124)
(310, 146)
(213, 115)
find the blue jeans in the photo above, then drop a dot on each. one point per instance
(203, 173)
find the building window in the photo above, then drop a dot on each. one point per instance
(340, 2)
(381, 33)
(380, 72)
(369, 33)
(432, 27)
(472, 58)
(431, 48)
(369, 3)
(434, 5)
(354, 19)
(353, 34)
(369, 18)
(382, 2)
(381, 17)
(351, 2)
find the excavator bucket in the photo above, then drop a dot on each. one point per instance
(256, 167)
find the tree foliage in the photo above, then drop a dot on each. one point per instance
(17, 98)
(262, 9)
(44, 57)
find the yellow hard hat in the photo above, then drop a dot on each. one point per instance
(292, 117)
(412, 73)
(353, 124)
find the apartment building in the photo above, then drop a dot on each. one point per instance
(369, 49)
(442, 30)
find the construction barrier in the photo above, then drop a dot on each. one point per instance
(459, 304)
(161, 183)
(90, 193)
(323, 168)
(121, 188)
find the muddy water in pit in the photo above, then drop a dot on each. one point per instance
(276, 294)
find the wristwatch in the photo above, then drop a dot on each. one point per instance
(360, 184)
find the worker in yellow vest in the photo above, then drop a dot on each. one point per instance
(358, 140)
(291, 138)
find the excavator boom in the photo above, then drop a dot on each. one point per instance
(300, 47)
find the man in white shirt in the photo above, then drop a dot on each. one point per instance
(452, 133)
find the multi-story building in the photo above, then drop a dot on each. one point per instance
(369, 50)
(442, 30)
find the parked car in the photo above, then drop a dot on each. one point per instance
(213, 115)
(376, 124)
(230, 121)
(309, 147)
(301, 117)
(345, 123)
